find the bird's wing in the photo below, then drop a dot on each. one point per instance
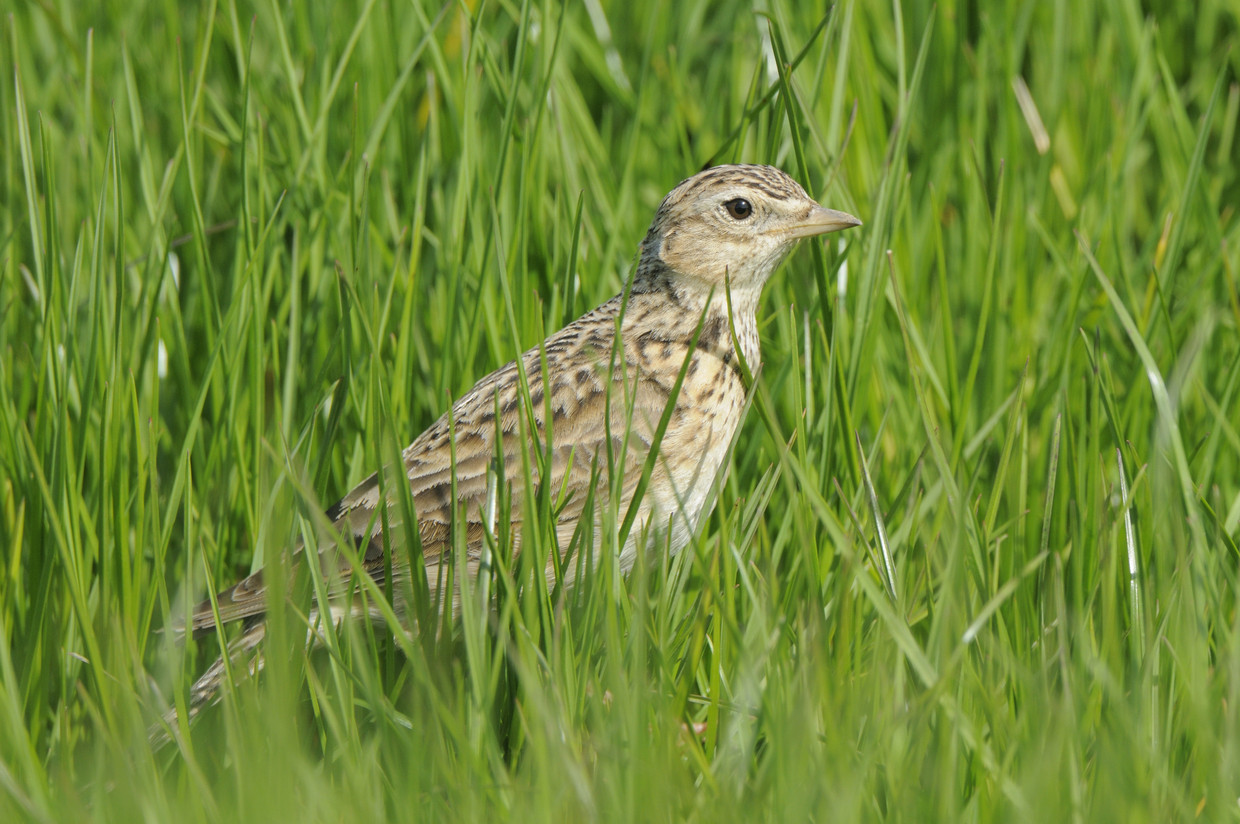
(595, 409)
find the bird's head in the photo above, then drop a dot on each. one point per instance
(738, 220)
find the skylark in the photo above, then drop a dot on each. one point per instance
(714, 242)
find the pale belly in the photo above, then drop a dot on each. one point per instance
(691, 457)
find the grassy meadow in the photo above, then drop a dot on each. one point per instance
(975, 557)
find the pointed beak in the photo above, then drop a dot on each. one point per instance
(820, 221)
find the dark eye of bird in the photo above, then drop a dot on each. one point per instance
(739, 208)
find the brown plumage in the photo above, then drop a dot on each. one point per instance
(718, 234)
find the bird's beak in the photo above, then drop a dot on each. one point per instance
(820, 221)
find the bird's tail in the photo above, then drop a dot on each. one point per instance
(243, 653)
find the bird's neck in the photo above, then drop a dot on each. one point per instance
(721, 310)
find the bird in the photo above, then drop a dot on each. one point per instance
(633, 405)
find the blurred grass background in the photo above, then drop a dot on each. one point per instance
(976, 556)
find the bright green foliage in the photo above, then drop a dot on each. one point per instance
(976, 557)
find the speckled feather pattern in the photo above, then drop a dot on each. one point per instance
(603, 396)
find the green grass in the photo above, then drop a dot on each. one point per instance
(975, 558)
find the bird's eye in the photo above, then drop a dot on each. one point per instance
(739, 208)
